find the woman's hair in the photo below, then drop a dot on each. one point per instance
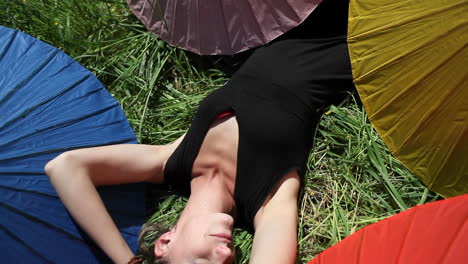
(148, 235)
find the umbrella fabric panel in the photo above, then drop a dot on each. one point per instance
(220, 27)
(50, 104)
(33, 87)
(39, 226)
(409, 66)
(35, 197)
(433, 233)
(39, 220)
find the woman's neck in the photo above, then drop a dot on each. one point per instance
(209, 194)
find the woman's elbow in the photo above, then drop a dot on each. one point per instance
(59, 166)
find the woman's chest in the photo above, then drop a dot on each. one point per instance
(217, 156)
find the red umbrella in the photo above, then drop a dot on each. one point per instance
(221, 27)
(432, 233)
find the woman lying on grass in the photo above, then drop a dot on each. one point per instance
(241, 163)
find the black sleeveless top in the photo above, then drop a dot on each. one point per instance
(277, 96)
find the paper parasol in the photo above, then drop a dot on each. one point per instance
(48, 104)
(410, 66)
(433, 233)
(220, 27)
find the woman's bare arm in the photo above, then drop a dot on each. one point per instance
(75, 174)
(275, 239)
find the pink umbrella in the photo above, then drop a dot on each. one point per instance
(222, 26)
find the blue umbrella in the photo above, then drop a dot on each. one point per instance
(49, 104)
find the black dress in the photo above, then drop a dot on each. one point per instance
(278, 97)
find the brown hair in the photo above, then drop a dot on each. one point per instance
(148, 235)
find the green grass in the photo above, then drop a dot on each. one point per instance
(352, 180)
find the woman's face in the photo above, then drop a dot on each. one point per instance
(203, 239)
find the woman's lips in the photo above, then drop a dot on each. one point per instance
(223, 236)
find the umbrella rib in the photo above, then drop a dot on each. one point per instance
(113, 211)
(388, 26)
(452, 241)
(223, 15)
(415, 82)
(395, 59)
(297, 19)
(27, 191)
(413, 215)
(173, 21)
(38, 220)
(157, 8)
(420, 124)
(8, 44)
(259, 29)
(33, 73)
(242, 26)
(447, 157)
(20, 173)
(45, 102)
(19, 240)
(26, 111)
(121, 141)
(275, 18)
(198, 25)
(361, 242)
(69, 121)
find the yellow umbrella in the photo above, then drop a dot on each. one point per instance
(410, 65)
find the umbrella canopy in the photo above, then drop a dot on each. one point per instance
(409, 61)
(432, 233)
(49, 104)
(220, 27)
